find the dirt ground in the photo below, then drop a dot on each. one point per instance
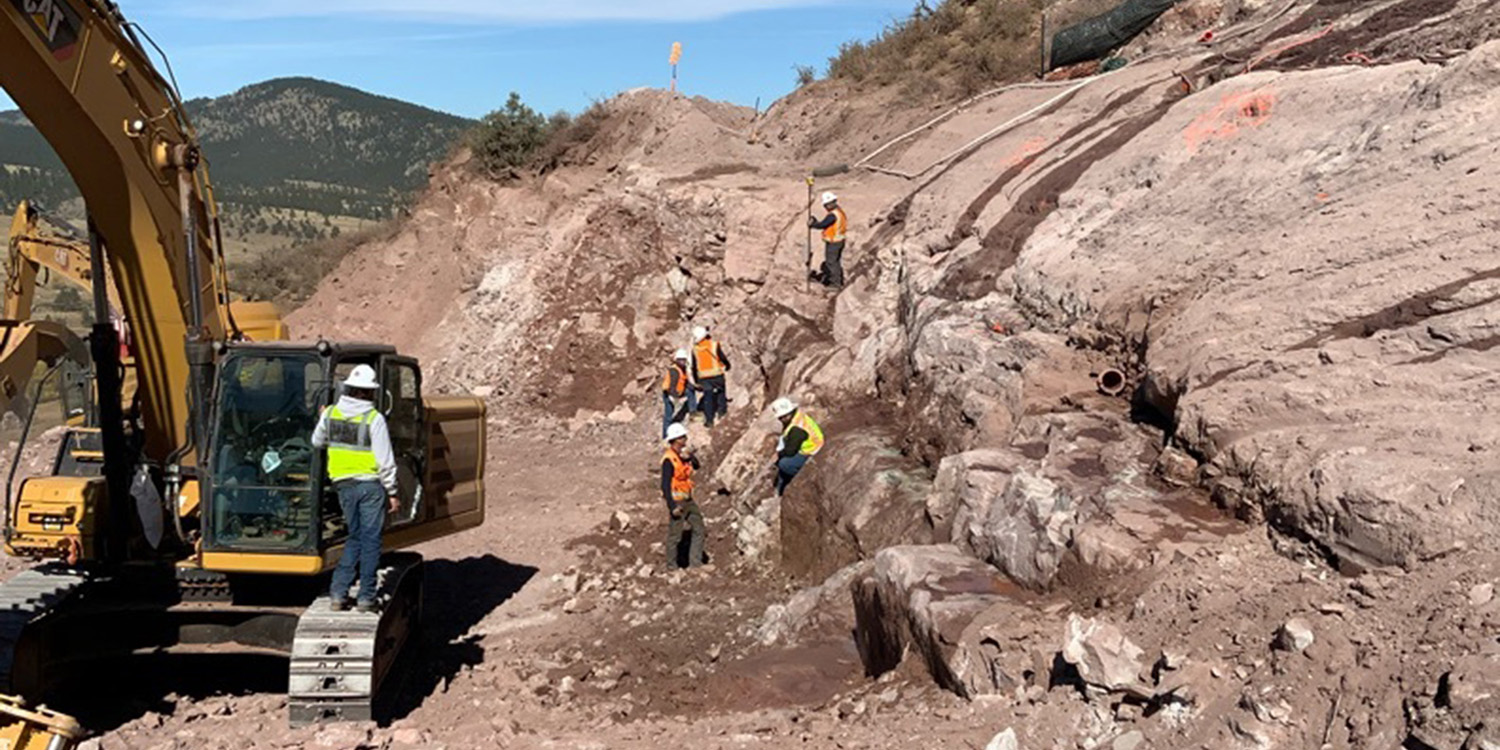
(1281, 538)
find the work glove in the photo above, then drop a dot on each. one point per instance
(812, 223)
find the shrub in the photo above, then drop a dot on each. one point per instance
(505, 140)
(806, 74)
(566, 133)
(517, 137)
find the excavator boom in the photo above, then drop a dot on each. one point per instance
(76, 73)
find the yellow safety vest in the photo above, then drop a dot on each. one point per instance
(814, 441)
(350, 453)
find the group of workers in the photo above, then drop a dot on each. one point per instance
(361, 463)
(680, 394)
(801, 436)
(801, 439)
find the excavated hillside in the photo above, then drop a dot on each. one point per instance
(1281, 535)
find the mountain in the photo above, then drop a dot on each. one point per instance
(292, 159)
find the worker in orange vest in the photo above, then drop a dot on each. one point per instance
(835, 228)
(677, 467)
(710, 364)
(678, 397)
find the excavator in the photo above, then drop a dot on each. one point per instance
(198, 516)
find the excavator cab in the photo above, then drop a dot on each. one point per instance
(268, 504)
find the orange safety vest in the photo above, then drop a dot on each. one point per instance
(709, 364)
(839, 229)
(666, 381)
(682, 477)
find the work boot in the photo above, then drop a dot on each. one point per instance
(339, 603)
(365, 607)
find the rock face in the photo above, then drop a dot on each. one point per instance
(942, 606)
(857, 496)
(1348, 418)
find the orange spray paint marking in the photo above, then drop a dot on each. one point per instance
(1027, 150)
(1250, 109)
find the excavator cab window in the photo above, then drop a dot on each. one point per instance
(264, 470)
(401, 403)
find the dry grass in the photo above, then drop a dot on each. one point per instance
(289, 277)
(565, 141)
(958, 47)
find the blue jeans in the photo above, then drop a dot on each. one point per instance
(787, 469)
(671, 412)
(364, 514)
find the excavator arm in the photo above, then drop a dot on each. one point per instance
(33, 250)
(77, 72)
(23, 342)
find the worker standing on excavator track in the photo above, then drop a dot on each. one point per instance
(710, 364)
(801, 439)
(678, 398)
(677, 467)
(835, 228)
(362, 467)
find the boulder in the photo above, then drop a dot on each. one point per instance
(759, 534)
(1471, 689)
(1022, 523)
(1103, 656)
(960, 616)
(827, 607)
(967, 480)
(1005, 740)
(1032, 507)
(1296, 635)
(858, 496)
(619, 521)
(1481, 594)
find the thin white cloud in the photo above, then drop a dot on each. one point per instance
(495, 11)
(324, 48)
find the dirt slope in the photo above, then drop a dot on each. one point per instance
(1279, 238)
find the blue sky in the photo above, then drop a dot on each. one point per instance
(465, 56)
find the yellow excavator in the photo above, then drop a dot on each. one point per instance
(198, 514)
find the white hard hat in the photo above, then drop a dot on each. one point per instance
(829, 197)
(782, 407)
(362, 377)
(680, 354)
(675, 431)
(700, 333)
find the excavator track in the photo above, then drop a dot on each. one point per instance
(340, 659)
(26, 598)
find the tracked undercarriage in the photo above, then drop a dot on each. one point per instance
(57, 624)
